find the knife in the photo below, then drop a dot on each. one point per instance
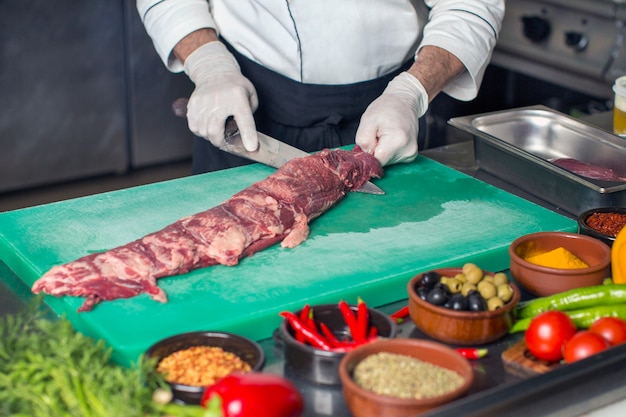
(270, 152)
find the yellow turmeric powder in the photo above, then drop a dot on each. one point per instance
(559, 258)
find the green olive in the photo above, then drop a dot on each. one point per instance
(468, 266)
(488, 278)
(467, 287)
(494, 303)
(500, 278)
(486, 289)
(461, 277)
(505, 292)
(453, 284)
(474, 275)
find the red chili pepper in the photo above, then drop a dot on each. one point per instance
(472, 353)
(362, 321)
(400, 315)
(373, 333)
(346, 347)
(310, 335)
(329, 335)
(304, 318)
(349, 317)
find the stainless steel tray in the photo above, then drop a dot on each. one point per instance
(517, 145)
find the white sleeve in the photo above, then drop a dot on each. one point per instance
(469, 31)
(169, 21)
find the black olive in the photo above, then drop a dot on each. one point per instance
(437, 296)
(422, 292)
(430, 278)
(458, 302)
(442, 287)
(475, 302)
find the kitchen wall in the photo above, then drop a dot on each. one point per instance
(82, 93)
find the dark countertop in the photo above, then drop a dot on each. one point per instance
(568, 391)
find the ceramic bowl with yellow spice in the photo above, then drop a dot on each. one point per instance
(192, 361)
(546, 263)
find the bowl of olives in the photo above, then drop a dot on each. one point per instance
(463, 306)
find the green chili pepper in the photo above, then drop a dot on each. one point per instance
(583, 318)
(574, 299)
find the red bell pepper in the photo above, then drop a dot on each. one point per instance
(255, 395)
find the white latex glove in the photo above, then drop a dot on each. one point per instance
(221, 91)
(389, 126)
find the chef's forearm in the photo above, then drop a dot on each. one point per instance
(193, 41)
(435, 68)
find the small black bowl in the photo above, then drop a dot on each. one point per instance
(585, 229)
(318, 365)
(248, 350)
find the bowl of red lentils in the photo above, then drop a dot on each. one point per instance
(189, 362)
(603, 223)
(403, 377)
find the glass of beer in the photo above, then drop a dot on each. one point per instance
(619, 107)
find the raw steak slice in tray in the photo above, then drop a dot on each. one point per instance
(276, 209)
(587, 170)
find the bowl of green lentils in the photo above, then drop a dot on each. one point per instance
(403, 377)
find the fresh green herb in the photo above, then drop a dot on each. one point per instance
(49, 369)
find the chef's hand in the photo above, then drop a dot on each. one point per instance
(221, 91)
(389, 126)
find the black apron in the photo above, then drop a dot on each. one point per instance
(310, 117)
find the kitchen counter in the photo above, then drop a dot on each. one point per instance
(569, 391)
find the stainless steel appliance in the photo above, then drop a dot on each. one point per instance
(564, 54)
(576, 44)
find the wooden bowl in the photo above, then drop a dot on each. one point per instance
(460, 327)
(542, 281)
(365, 403)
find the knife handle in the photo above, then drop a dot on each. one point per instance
(179, 108)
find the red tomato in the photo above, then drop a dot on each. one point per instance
(583, 345)
(547, 333)
(255, 394)
(612, 329)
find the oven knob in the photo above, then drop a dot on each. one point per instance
(578, 41)
(536, 28)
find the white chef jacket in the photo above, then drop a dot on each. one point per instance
(335, 41)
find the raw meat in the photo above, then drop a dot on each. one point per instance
(587, 170)
(277, 209)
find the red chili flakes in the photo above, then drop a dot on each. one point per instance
(609, 224)
(200, 365)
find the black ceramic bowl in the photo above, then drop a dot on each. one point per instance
(322, 366)
(585, 229)
(248, 350)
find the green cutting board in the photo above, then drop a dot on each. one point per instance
(368, 246)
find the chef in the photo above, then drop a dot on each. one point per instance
(321, 73)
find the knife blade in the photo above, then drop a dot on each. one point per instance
(270, 152)
(273, 152)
